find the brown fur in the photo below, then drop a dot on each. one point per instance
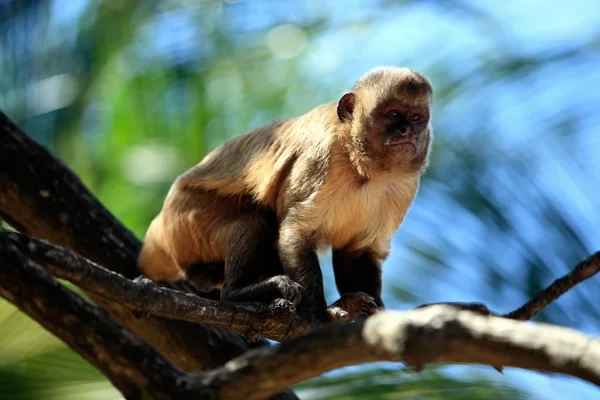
(328, 180)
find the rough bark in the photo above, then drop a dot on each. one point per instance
(276, 321)
(435, 334)
(39, 195)
(86, 328)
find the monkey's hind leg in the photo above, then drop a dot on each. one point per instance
(204, 279)
(249, 257)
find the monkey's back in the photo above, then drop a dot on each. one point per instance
(211, 199)
(233, 181)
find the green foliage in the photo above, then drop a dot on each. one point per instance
(383, 384)
(34, 364)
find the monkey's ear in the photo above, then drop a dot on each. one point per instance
(345, 107)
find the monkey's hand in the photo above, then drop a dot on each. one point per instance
(289, 289)
(351, 306)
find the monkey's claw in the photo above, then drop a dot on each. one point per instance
(352, 306)
(335, 313)
(289, 289)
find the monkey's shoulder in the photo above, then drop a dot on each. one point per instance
(231, 168)
(285, 159)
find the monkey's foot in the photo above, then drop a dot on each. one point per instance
(283, 305)
(351, 306)
(289, 289)
(335, 313)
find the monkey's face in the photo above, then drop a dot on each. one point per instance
(389, 112)
(394, 134)
(398, 130)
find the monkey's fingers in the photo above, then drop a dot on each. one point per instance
(357, 304)
(335, 313)
(288, 289)
(369, 309)
(283, 304)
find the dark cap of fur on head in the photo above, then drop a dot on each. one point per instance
(400, 81)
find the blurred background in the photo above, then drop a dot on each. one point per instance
(131, 93)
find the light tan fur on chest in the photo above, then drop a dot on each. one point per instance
(361, 214)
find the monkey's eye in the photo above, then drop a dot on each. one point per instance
(393, 114)
(416, 117)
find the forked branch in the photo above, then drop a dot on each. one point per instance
(419, 337)
(252, 320)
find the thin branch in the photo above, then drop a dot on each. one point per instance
(276, 321)
(252, 320)
(584, 270)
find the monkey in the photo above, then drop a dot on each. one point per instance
(251, 217)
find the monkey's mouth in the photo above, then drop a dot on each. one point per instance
(400, 141)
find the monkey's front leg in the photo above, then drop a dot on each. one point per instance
(300, 262)
(358, 279)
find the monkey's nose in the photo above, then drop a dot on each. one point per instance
(406, 131)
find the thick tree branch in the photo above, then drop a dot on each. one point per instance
(435, 334)
(41, 196)
(253, 321)
(86, 328)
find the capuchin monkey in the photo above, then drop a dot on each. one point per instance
(251, 216)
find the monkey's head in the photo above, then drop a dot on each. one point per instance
(388, 111)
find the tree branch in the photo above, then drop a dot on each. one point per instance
(41, 196)
(582, 271)
(435, 334)
(86, 328)
(252, 320)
